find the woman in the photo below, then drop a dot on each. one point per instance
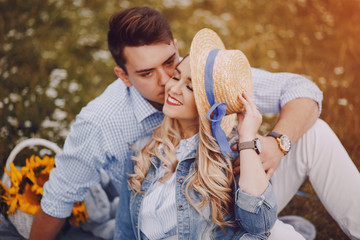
(183, 185)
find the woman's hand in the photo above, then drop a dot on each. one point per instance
(253, 179)
(250, 120)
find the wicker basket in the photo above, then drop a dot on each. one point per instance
(21, 220)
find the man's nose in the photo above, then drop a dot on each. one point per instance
(163, 77)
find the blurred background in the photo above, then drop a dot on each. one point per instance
(54, 60)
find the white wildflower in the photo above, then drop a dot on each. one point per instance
(49, 124)
(342, 101)
(59, 114)
(60, 102)
(73, 86)
(13, 121)
(27, 123)
(101, 55)
(56, 76)
(14, 97)
(271, 53)
(51, 92)
(339, 70)
(274, 64)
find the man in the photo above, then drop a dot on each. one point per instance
(143, 47)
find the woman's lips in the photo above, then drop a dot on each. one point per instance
(173, 101)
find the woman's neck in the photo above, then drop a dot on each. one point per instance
(188, 130)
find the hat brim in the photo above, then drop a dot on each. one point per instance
(203, 42)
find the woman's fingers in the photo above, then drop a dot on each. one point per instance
(252, 118)
(244, 101)
(250, 102)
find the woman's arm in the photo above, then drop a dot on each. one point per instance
(253, 179)
(255, 199)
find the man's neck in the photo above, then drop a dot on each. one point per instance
(156, 105)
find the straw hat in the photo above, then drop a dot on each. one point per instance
(231, 76)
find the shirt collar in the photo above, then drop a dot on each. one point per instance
(187, 147)
(142, 108)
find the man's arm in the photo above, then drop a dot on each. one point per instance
(297, 99)
(76, 169)
(295, 118)
(53, 226)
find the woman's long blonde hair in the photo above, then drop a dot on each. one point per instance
(212, 177)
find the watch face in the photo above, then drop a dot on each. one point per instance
(285, 143)
(257, 146)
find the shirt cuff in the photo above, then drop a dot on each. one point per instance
(252, 203)
(317, 96)
(56, 209)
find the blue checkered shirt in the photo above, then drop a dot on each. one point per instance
(108, 126)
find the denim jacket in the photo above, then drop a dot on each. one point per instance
(253, 216)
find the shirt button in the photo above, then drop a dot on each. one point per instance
(180, 207)
(180, 180)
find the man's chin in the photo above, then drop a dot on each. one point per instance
(157, 105)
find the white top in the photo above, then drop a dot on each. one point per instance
(158, 210)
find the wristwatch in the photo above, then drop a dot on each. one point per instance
(284, 141)
(254, 144)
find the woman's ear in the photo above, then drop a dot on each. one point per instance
(120, 73)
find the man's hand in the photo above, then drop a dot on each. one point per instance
(270, 154)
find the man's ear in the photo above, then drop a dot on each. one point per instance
(120, 73)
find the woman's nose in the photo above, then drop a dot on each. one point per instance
(176, 88)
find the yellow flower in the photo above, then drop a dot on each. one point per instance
(12, 202)
(78, 214)
(29, 201)
(38, 171)
(16, 176)
(27, 188)
(4, 192)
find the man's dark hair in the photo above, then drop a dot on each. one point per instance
(136, 26)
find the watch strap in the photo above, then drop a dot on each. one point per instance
(274, 135)
(254, 144)
(246, 145)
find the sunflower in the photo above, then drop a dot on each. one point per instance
(26, 189)
(78, 214)
(4, 207)
(38, 171)
(17, 184)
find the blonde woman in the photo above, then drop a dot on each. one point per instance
(183, 185)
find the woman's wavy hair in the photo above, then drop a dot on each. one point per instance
(212, 177)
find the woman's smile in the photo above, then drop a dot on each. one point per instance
(173, 101)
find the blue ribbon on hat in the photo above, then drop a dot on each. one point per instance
(219, 109)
